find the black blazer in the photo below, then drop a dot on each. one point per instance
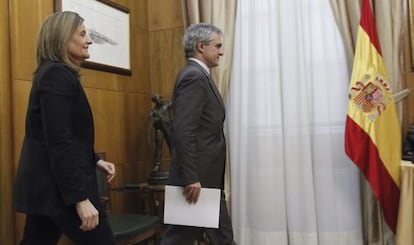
(57, 166)
(197, 142)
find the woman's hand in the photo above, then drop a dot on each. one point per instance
(107, 168)
(88, 215)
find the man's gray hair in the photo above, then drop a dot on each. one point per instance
(201, 32)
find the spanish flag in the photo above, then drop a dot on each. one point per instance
(372, 131)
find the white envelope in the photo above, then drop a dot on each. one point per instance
(204, 213)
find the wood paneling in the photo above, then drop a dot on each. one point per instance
(165, 45)
(139, 17)
(164, 14)
(20, 94)
(120, 104)
(26, 18)
(7, 220)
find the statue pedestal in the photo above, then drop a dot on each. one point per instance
(158, 178)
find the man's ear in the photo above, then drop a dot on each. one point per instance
(200, 47)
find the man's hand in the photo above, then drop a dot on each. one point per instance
(107, 168)
(192, 192)
(88, 215)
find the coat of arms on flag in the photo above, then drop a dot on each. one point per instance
(372, 95)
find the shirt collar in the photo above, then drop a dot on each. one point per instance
(201, 63)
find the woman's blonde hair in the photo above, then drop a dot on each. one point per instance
(54, 37)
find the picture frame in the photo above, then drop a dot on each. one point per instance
(108, 25)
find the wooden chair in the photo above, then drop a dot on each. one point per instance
(129, 228)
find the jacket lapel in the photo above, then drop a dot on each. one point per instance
(212, 85)
(216, 92)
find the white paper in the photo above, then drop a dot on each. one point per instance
(204, 213)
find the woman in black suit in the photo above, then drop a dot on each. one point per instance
(56, 184)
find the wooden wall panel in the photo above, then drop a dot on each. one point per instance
(6, 143)
(140, 13)
(165, 45)
(20, 93)
(108, 114)
(164, 14)
(26, 17)
(135, 127)
(140, 63)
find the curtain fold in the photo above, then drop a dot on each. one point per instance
(389, 17)
(347, 15)
(291, 180)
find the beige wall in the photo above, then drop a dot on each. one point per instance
(120, 104)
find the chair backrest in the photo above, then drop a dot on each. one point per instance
(103, 187)
(128, 228)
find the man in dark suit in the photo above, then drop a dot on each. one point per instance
(198, 143)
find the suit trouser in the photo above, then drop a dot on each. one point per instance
(47, 230)
(186, 235)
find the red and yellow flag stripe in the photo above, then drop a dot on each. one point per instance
(372, 132)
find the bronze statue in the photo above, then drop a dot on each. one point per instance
(160, 120)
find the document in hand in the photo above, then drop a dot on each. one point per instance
(204, 213)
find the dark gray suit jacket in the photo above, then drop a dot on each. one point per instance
(57, 165)
(197, 141)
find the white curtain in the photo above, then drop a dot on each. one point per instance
(291, 180)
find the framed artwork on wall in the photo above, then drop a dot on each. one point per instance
(108, 25)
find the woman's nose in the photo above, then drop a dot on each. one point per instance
(89, 40)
